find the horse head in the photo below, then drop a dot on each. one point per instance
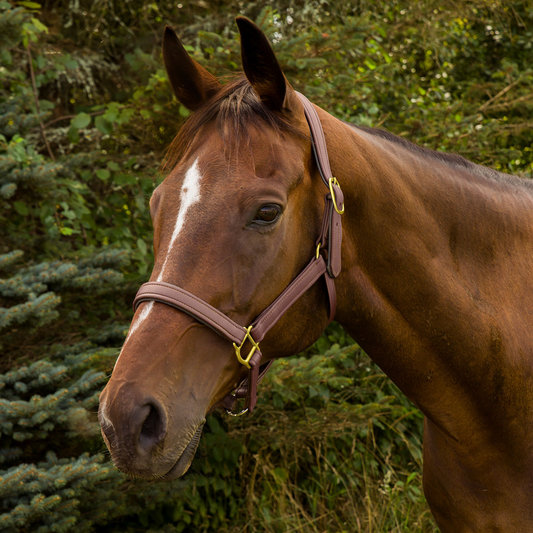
(235, 221)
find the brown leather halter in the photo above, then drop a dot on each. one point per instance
(330, 268)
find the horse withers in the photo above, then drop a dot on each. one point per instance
(436, 285)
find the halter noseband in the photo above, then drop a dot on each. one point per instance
(330, 268)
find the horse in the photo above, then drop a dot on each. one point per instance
(436, 284)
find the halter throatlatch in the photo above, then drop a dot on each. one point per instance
(246, 339)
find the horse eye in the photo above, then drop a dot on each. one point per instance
(267, 214)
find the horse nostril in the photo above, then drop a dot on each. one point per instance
(153, 429)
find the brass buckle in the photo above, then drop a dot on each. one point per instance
(246, 362)
(333, 181)
(318, 250)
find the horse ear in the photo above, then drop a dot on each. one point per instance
(192, 84)
(261, 66)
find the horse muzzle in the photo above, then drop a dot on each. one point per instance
(139, 440)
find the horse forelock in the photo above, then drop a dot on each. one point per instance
(234, 109)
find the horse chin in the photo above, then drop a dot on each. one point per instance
(185, 459)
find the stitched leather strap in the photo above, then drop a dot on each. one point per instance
(335, 236)
(174, 296)
(320, 150)
(306, 279)
(319, 141)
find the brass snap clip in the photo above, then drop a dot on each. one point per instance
(333, 181)
(255, 346)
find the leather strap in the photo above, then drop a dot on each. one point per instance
(306, 279)
(330, 237)
(330, 284)
(320, 150)
(335, 236)
(229, 401)
(319, 141)
(174, 296)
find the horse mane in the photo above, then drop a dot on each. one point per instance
(237, 106)
(453, 160)
(234, 108)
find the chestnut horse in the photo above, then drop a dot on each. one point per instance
(436, 285)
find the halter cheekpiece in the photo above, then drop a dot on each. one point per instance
(330, 239)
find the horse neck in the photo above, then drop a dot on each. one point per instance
(426, 245)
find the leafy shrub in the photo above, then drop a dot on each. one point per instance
(85, 114)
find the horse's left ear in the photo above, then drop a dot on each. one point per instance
(262, 68)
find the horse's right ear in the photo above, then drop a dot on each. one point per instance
(192, 84)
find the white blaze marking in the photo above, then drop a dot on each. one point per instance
(190, 194)
(140, 319)
(142, 316)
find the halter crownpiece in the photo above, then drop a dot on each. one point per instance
(330, 236)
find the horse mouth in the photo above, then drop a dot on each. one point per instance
(185, 459)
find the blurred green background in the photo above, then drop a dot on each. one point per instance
(86, 113)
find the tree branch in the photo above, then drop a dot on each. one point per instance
(65, 117)
(92, 114)
(37, 106)
(500, 94)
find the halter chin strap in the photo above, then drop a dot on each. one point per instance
(248, 338)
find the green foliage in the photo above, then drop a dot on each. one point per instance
(83, 195)
(50, 477)
(333, 433)
(32, 284)
(86, 111)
